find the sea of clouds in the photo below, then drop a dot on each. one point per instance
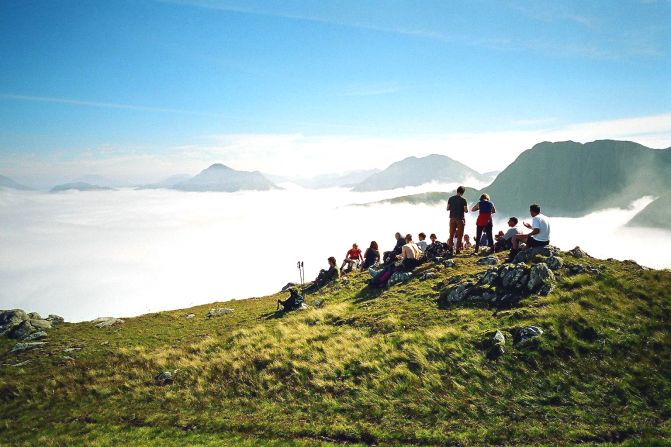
(127, 252)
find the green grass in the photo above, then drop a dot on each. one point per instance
(367, 367)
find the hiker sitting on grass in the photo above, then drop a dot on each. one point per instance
(352, 258)
(389, 256)
(422, 244)
(294, 301)
(467, 242)
(410, 254)
(325, 276)
(371, 257)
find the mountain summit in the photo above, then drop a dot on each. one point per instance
(413, 171)
(574, 179)
(219, 177)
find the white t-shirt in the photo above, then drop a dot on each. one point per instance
(541, 222)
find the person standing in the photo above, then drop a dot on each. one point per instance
(484, 221)
(457, 206)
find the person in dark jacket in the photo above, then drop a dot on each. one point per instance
(325, 276)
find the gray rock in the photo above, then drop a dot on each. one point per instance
(554, 262)
(20, 364)
(490, 277)
(528, 333)
(318, 303)
(545, 290)
(164, 378)
(539, 275)
(34, 316)
(449, 263)
(218, 311)
(398, 277)
(513, 277)
(20, 347)
(190, 316)
(35, 336)
(494, 345)
(11, 318)
(427, 275)
(106, 322)
(489, 260)
(73, 349)
(578, 253)
(40, 324)
(499, 338)
(21, 331)
(55, 319)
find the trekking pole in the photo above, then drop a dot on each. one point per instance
(301, 272)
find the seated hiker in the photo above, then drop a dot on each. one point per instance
(467, 242)
(371, 257)
(540, 232)
(325, 276)
(410, 254)
(294, 301)
(389, 256)
(422, 244)
(436, 249)
(352, 258)
(505, 241)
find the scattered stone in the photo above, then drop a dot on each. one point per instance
(40, 324)
(489, 260)
(427, 275)
(528, 333)
(218, 311)
(318, 303)
(545, 290)
(577, 252)
(106, 322)
(554, 262)
(190, 316)
(164, 378)
(35, 336)
(20, 347)
(67, 357)
(539, 275)
(55, 319)
(449, 263)
(34, 316)
(20, 364)
(344, 281)
(494, 343)
(581, 268)
(73, 349)
(490, 277)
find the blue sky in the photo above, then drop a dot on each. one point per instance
(150, 88)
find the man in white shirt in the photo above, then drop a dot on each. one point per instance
(422, 242)
(540, 231)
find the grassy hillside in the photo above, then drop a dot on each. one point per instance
(363, 366)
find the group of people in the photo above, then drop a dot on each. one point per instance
(407, 254)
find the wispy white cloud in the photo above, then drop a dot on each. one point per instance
(99, 104)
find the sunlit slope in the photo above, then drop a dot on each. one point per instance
(656, 215)
(364, 366)
(573, 179)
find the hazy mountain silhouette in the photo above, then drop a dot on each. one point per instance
(574, 179)
(413, 171)
(656, 215)
(344, 180)
(222, 178)
(80, 186)
(6, 182)
(166, 183)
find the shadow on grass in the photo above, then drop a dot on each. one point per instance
(367, 294)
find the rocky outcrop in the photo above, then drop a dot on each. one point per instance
(19, 325)
(489, 260)
(20, 347)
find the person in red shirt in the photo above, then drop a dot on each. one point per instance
(352, 257)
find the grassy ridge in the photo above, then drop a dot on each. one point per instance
(368, 366)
